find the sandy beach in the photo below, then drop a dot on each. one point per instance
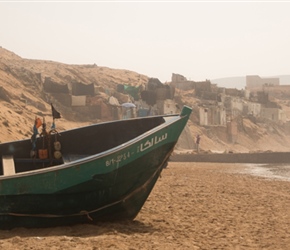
(193, 206)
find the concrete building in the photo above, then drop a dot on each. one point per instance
(254, 108)
(78, 100)
(166, 107)
(273, 114)
(178, 78)
(256, 82)
(212, 115)
(232, 130)
(234, 105)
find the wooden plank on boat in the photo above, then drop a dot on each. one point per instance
(8, 165)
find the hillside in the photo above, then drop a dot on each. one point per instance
(21, 100)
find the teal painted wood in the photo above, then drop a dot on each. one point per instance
(104, 185)
(100, 199)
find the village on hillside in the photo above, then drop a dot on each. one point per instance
(216, 106)
(90, 93)
(226, 106)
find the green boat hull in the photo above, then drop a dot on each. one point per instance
(113, 185)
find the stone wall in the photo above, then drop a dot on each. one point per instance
(258, 158)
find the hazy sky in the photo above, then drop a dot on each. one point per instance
(200, 40)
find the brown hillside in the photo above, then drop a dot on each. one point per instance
(21, 99)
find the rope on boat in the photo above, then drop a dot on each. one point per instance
(83, 212)
(87, 213)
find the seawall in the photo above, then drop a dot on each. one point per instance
(271, 157)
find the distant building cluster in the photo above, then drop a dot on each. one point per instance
(217, 106)
(153, 98)
(226, 106)
(256, 82)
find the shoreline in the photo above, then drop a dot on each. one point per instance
(258, 158)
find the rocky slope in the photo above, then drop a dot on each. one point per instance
(21, 100)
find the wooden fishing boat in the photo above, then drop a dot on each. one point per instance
(94, 173)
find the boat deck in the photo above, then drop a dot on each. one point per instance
(11, 166)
